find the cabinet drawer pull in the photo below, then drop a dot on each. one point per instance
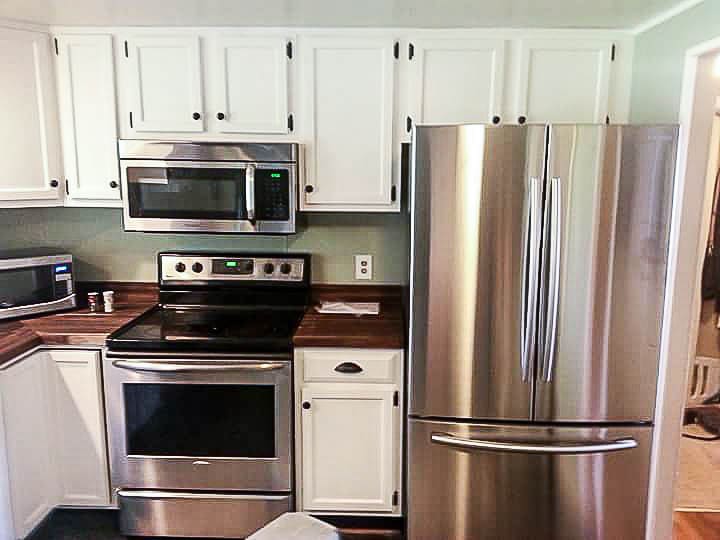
(348, 367)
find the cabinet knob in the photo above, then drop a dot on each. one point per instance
(221, 116)
(196, 116)
(306, 405)
(113, 184)
(522, 120)
(54, 183)
(309, 189)
(496, 119)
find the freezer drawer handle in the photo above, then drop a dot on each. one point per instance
(534, 448)
(166, 367)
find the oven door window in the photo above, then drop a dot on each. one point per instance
(200, 420)
(26, 286)
(186, 193)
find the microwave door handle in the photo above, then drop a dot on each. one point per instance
(250, 193)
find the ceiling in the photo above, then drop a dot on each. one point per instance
(413, 13)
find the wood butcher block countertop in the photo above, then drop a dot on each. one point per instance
(383, 331)
(78, 326)
(81, 327)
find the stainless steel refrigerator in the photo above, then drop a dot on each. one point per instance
(538, 266)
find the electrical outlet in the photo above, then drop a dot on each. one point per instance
(363, 266)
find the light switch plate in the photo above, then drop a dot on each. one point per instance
(363, 267)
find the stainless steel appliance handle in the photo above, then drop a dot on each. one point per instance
(553, 302)
(189, 367)
(559, 447)
(11, 309)
(250, 192)
(157, 494)
(531, 260)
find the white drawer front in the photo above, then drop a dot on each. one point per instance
(351, 365)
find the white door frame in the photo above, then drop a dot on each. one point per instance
(690, 222)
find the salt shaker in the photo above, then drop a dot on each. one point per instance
(109, 300)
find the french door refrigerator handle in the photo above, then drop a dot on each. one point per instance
(531, 260)
(560, 447)
(167, 367)
(250, 192)
(554, 227)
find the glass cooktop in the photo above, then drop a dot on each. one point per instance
(210, 329)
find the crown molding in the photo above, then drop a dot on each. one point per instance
(665, 16)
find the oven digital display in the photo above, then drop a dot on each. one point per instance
(234, 267)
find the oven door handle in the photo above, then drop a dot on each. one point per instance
(176, 367)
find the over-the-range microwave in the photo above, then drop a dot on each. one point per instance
(35, 281)
(209, 187)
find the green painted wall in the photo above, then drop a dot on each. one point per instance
(660, 60)
(104, 251)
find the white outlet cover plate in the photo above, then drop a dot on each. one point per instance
(364, 267)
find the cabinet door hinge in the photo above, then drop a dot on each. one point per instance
(291, 122)
(613, 52)
(57, 47)
(127, 52)
(607, 119)
(393, 194)
(67, 187)
(396, 49)
(396, 399)
(408, 124)
(289, 49)
(396, 498)
(411, 51)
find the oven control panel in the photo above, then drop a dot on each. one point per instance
(190, 267)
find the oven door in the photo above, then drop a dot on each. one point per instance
(208, 196)
(199, 422)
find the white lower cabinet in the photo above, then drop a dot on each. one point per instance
(349, 441)
(27, 442)
(52, 437)
(79, 427)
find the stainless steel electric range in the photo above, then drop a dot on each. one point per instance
(199, 396)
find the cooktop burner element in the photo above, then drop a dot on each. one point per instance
(222, 303)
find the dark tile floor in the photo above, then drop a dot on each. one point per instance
(102, 525)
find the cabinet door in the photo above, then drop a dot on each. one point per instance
(23, 388)
(77, 405)
(86, 87)
(347, 110)
(564, 81)
(348, 447)
(251, 75)
(165, 74)
(456, 80)
(29, 129)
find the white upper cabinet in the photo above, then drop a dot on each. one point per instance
(88, 115)
(347, 89)
(564, 80)
(250, 80)
(456, 80)
(29, 137)
(165, 83)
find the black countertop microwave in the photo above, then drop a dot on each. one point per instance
(35, 281)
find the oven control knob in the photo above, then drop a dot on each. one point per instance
(197, 267)
(180, 267)
(268, 268)
(285, 268)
